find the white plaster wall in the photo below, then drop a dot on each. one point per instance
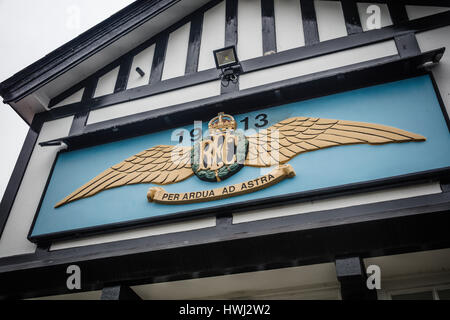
(106, 83)
(249, 29)
(306, 282)
(412, 272)
(385, 18)
(435, 39)
(143, 60)
(288, 24)
(421, 262)
(14, 238)
(76, 97)
(338, 202)
(213, 36)
(330, 20)
(416, 12)
(192, 93)
(137, 233)
(176, 53)
(322, 63)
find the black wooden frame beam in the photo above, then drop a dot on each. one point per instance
(407, 45)
(195, 37)
(352, 276)
(19, 171)
(441, 101)
(397, 11)
(231, 23)
(80, 118)
(310, 29)
(445, 185)
(79, 122)
(158, 58)
(351, 16)
(268, 27)
(124, 73)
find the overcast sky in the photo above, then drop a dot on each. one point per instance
(29, 30)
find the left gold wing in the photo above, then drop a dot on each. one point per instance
(288, 138)
(160, 165)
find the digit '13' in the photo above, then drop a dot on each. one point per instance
(259, 122)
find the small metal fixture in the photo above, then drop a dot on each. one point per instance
(140, 71)
(431, 63)
(228, 63)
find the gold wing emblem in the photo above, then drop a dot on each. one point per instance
(272, 146)
(291, 137)
(160, 165)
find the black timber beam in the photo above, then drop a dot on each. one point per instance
(195, 37)
(17, 175)
(352, 277)
(309, 19)
(351, 16)
(80, 118)
(231, 23)
(268, 27)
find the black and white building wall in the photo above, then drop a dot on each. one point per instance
(145, 74)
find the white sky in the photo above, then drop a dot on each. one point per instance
(30, 29)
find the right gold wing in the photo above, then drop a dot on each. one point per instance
(159, 165)
(288, 138)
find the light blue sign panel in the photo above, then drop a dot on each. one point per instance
(409, 105)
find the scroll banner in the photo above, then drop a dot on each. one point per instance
(159, 195)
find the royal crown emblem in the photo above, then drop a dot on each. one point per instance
(222, 123)
(227, 150)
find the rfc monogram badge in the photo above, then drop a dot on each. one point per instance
(222, 154)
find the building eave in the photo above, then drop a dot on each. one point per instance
(79, 49)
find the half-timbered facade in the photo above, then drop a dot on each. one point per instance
(143, 77)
